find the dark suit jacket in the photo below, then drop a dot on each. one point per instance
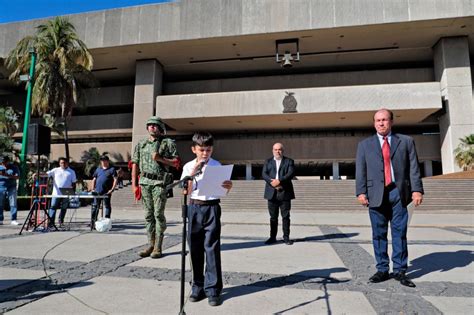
(370, 171)
(285, 175)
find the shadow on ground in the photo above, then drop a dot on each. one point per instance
(316, 238)
(30, 290)
(441, 261)
(319, 276)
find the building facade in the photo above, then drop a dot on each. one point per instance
(212, 65)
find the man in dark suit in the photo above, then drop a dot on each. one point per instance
(387, 180)
(278, 172)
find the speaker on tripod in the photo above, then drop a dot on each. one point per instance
(39, 139)
(39, 143)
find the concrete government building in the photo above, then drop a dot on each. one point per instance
(212, 65)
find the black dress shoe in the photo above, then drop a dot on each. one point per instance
(403, 279)
(214, 300)
(379, 277)
(287, 241)
(196, 297)
(270, 241)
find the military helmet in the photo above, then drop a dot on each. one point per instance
(156, 121)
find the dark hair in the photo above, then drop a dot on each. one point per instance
(62, 159)
(104, 158)
(203, 139)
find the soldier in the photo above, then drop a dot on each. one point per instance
(152, 159)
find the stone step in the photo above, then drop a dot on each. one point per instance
(317, 195)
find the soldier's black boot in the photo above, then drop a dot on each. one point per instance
(273, 232)
(286, 231)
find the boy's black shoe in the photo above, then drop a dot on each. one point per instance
(287, 241)
(214, 300)
(379, 277)
(403, 279)
(270, 241)
(196, 297)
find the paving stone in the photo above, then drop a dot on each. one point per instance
(11, 277)
(452, 305)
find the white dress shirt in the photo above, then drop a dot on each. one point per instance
(188, 169)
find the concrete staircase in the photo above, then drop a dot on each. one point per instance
(317, 195)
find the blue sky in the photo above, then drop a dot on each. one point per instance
(21, 10)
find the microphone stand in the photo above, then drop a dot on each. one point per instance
(183, 183)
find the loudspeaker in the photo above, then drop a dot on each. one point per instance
(39, 139)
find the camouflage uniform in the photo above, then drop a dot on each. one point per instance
(153, 179)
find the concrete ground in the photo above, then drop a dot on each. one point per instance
(326, 271)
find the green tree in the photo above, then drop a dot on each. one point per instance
(464, 153)
(54, 124)
(62, 69)
(91, 160)
(9, 124)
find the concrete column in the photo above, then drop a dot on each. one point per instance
(428, 167)
(248, 171)
(452, 70)
(148, 84)
(335, 171)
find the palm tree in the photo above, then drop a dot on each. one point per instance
(91, 160)
(464, 153)
(61, 71)
(54, 124)
(8, 126)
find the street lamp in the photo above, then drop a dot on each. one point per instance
(29, 78)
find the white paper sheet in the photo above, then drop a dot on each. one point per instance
(212, 179)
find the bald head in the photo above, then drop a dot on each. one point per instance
(277, 150)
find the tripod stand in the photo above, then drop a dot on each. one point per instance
(184, 210)
(32, 219)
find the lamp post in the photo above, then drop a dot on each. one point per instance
(30, 81)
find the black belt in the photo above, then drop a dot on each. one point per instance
(153, 176)
(390, 186)
(204, 202)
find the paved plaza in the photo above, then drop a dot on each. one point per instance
(326, 271)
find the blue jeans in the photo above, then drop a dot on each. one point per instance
(55, 204)
(10, 193)
(394, 212)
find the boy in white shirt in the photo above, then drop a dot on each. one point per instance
(204, 225)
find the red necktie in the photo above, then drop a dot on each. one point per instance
(386, 161)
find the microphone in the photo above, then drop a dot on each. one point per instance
(201, 165)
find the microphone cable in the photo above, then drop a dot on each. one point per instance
(63, 289)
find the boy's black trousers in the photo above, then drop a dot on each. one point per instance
(204, 239)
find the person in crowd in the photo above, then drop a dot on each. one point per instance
(120, 178)
(9, 173)
(103, 183)
(204, 230)
(63, 177)
(387, 180)
(278, 171)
